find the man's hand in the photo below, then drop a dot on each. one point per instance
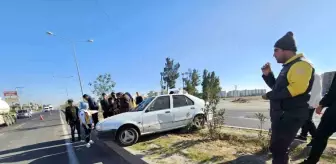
(266, 69)
(319, 110)
(264, 96)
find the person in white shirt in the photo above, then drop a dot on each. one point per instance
(85, 117)
(315, 97)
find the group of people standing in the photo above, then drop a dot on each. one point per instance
(295, 95)
(79, 118)
(116, 103)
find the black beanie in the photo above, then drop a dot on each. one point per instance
(287, 42)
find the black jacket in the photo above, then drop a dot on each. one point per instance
(329, 99)
(105, 105)
(71, 114)
(92, 104)
(285, 95)
(138, 100)
(113, 103)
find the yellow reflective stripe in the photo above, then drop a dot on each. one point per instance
(294, 57)
(298, 77)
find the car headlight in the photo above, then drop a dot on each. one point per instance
(99, 127)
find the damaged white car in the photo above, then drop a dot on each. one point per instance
(154, 114)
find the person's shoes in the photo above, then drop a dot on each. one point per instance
(88, 145)
(301, 138)
(79, 139)
(91, 142)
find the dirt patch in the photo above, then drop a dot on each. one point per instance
(233, 146)
(240, 100)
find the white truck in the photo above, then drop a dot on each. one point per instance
(6, 116)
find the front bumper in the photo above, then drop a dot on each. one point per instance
(22, 116)
(106, 135)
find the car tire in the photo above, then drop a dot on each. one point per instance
(127, 136)
(199, 121)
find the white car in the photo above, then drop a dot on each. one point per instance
(154, 114)
(46, 109)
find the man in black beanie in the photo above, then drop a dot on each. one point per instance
(289, 96)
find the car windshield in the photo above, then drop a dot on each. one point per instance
(143, 104)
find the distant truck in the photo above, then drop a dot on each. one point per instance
(7, 117)
(51, 107)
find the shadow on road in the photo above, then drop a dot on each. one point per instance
(46, 152)
(36, 127)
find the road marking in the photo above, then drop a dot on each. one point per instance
(19, 126)
(71, 153)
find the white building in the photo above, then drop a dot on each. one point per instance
(246, 92)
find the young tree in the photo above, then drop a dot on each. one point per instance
(102, 84)
(151, 94)
(211, 88)
(205, 83)
(170, 73)
(192, 81)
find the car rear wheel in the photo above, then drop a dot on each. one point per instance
(199, 121)
(127, 136)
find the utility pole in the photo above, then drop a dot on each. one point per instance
(17, 92)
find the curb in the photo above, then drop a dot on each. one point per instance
(111, 147)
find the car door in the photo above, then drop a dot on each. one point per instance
(158, 115)
(183, 110)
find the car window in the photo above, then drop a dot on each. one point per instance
(189, 101)
(161, 103)
(181, 100)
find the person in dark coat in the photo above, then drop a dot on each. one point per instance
(289, 108)
(113, 102)
(72, 118)
(138, 99)
(327, 125)
(105, 106)
(124, 102)
(92, 106)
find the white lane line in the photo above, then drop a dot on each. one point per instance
(19, 126)
(71, 153)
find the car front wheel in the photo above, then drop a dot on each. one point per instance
(127, 136)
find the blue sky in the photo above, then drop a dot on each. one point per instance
(132, 38)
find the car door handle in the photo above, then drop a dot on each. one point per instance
(167, 112)
(192, 108)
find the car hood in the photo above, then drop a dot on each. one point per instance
(127, 116)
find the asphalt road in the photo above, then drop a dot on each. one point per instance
(246, 118)
(36, 141)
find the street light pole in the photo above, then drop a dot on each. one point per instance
(79, 77)
(75, 57)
